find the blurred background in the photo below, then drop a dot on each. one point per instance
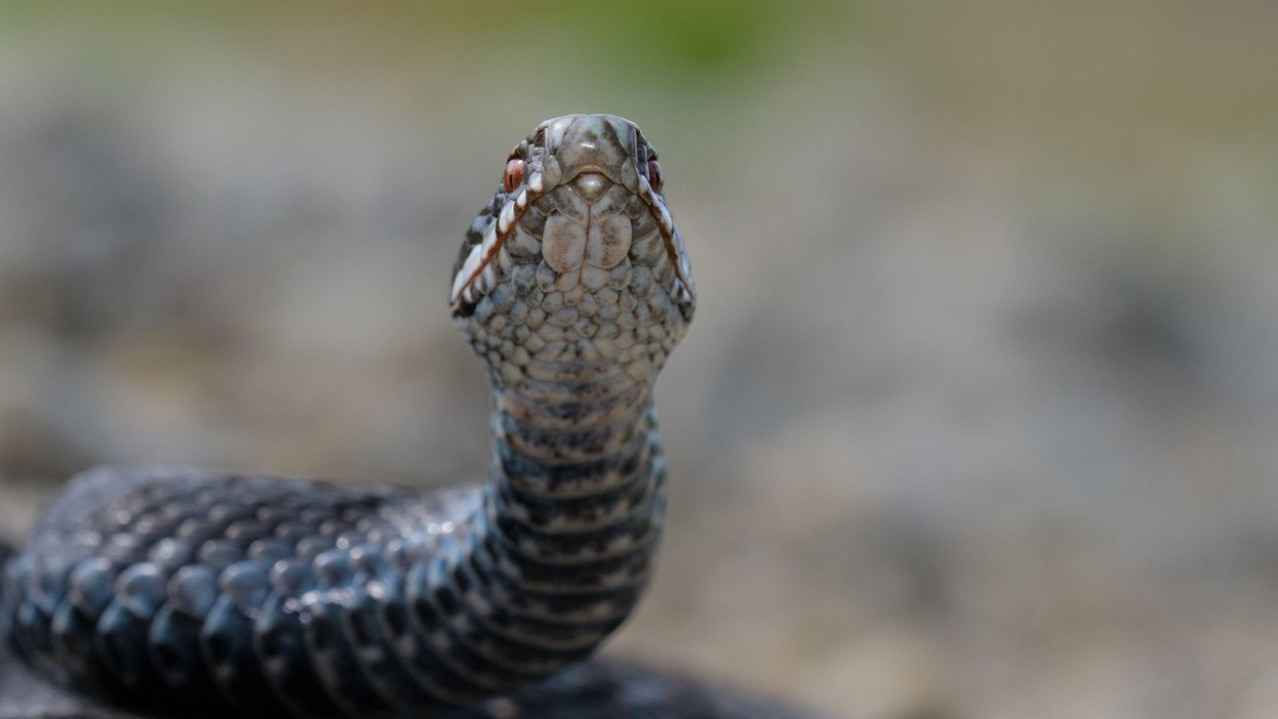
(979, 415)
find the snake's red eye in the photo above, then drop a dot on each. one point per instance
(655, 178)
(514, 174)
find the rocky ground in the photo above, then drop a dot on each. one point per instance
(976, 419)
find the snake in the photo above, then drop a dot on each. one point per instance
(171, 590)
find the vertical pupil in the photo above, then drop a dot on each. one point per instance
(654, 175)
(514, 174)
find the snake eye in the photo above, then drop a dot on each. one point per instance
(514, 174)
(655, 178)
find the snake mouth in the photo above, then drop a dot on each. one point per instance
(595, 155)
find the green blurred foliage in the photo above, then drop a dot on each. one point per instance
(1084, 72)
(706, 42)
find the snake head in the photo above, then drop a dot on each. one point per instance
(579, 249)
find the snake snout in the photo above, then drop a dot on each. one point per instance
(590, 186)
(603, 144)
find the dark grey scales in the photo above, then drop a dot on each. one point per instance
(179, 592)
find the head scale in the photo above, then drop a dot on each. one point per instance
(576, 263)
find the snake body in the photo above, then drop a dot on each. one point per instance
(177, 590)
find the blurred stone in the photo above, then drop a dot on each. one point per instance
(895, 673)
(980, 399)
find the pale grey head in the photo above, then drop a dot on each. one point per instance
(575, 268)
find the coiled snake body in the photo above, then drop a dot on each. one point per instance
(178, 590)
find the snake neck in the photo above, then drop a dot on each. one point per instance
(561, 545)
(575, 461)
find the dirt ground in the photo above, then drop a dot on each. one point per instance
(978, 414)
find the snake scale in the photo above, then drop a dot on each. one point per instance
(176, 591)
